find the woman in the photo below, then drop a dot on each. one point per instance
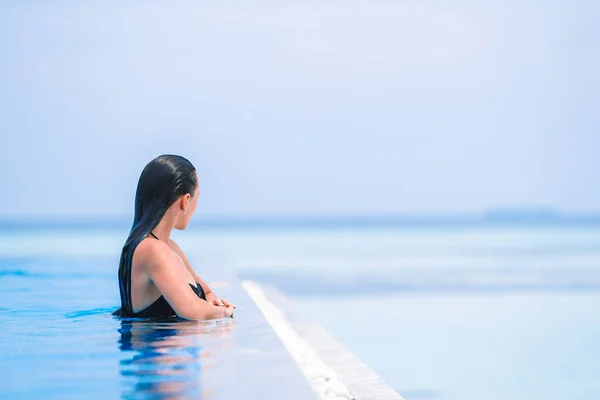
(155, 277)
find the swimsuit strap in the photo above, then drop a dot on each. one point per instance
(154, 236)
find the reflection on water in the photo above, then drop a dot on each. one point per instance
(165, 360)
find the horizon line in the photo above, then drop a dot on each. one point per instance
(499, 217)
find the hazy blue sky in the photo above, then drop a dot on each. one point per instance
(302, 107)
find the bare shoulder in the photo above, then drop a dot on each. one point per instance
(153, 253)
(175, 247)
(177, 250)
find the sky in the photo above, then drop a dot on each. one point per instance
(301, 108)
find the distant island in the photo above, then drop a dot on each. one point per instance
(522, 214)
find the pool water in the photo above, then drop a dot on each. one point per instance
(59, 339)
(478, 345)
(469, 313)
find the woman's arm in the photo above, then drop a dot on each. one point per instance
(172, 282)
(207, 290)
(211, 297)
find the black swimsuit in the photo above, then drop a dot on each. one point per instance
(161, 307)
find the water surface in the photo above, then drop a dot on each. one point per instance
(450, 313)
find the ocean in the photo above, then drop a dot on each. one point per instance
(439, 312)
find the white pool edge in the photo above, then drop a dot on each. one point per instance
(331, 369)
(322, 378)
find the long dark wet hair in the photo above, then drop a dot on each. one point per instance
(164, 180)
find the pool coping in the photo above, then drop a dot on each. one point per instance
(358, 378)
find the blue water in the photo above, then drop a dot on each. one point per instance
(60, 341)
(450, 313)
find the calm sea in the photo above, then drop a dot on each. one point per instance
(470, 313)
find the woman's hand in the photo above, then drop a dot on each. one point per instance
(229, 311)
(222, 303)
